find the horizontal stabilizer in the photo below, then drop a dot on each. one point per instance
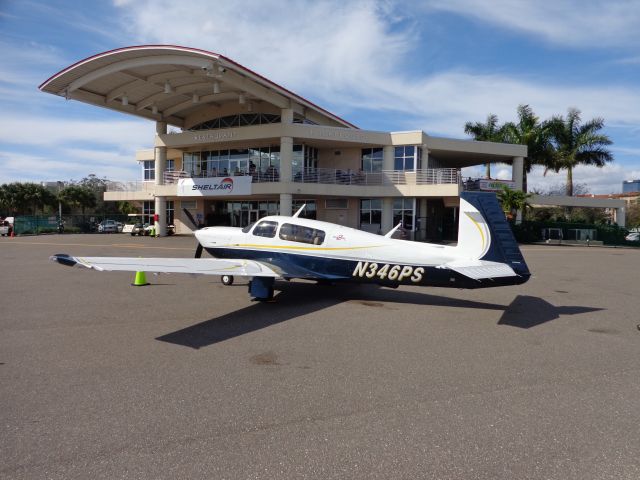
(200, 266)
(480, 269)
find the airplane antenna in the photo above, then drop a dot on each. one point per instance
(393, 230)
(295, 215)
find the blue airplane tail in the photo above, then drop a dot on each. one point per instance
(484, 229)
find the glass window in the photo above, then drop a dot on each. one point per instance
(239, 161)
(240, 120)
(297, 159)
(404, 211)
(191, 162)
(148, 209)
(170, 212)
(298, 233)
(171, 165)
(370, 213)
(405, 157)
(148, 170)
(309, 211)
(266, 229)
(372, 160)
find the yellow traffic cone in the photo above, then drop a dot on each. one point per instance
(140, 280)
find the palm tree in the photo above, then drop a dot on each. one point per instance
(578, 144)
(489, 131)
(534, 134)
(512, 201)
(78, 196)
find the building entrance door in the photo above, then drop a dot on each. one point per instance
(247, 217)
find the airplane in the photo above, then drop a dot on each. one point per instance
(290, 247)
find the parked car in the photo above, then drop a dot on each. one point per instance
(108, 226)
(633, 237)
(6, 226)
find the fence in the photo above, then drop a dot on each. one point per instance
(530, 232)
(39, 224)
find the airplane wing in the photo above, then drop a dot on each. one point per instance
(480, 269)
(201, 266)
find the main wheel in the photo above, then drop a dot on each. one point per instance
(227, 279)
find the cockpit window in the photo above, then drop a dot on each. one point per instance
(248, 228)
(298, 233)
(266, 229)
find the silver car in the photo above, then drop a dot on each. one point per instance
(108, 226)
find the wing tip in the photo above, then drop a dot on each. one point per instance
(64, 259)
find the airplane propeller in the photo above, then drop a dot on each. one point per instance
(197, 227)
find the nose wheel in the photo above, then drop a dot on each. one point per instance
(227, 279)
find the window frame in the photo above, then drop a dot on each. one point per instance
(272, 224)
(301, 234)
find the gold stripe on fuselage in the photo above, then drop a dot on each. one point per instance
(293, 247)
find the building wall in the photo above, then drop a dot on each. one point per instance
(340, 158)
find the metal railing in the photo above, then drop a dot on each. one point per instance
(430, 176)
(257, 176)
(135, 186)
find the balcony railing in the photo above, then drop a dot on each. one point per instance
(430, 176)
(257, 177)
(127, 186)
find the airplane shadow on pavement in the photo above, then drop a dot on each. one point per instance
(295, 300)
(526, 312)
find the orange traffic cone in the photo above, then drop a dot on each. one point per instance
(140, 280)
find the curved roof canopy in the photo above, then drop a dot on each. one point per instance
(172, 84)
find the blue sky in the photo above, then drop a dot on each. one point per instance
(383, 65)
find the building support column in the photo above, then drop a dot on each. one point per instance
(286, 204)
(160, 163)
(517, 174)
(425, 158)
(387, 215)
(286, 116)
(286, 159)
(161, 210)
(421, 227)
(388, 155)
(621, 217)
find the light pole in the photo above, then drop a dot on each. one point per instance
(59, 205)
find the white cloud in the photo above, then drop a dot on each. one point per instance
(47, 148)
(34, 167)
(121, 135)
(607, 179)
(348, 56)
(572, 23)
(356, 58)
(308, 45)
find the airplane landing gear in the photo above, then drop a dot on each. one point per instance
(227, 279)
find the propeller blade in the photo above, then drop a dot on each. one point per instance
(190, 217)
(199, 250)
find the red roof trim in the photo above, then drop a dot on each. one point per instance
(193, 50)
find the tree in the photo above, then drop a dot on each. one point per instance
(21, 197)
(127, 208)
(534, 134)
(577, 144)
(489, 131)
(78, 196)
(633, 215)
(512, 201)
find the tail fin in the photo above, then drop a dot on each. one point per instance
(484, 234)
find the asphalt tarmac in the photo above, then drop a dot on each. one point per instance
(187, 378)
